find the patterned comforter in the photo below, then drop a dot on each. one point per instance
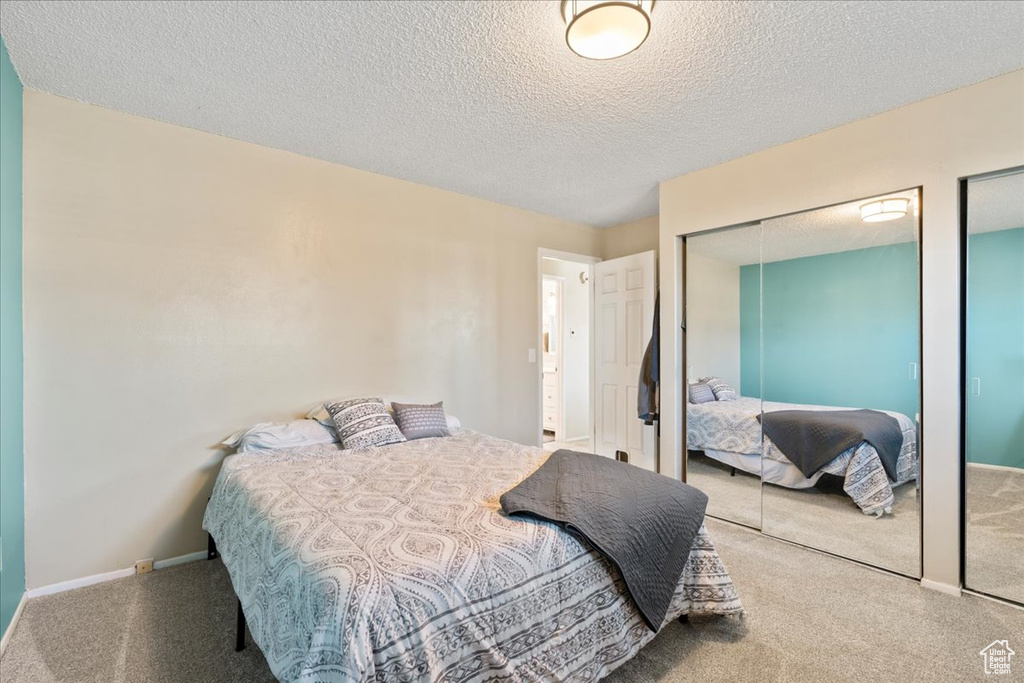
(732, 426)
(396, 564)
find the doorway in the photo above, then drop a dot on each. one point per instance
(566, 350)
(594, 328)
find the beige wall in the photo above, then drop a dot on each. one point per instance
(713, 319)
(930, 143)
(181, 285)
(626, 239)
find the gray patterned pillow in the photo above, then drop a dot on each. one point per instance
(723, 392)
(421, 421)
(364, 423)
(701, 393)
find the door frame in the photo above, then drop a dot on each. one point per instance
(538, 374)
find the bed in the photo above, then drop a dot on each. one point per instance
(729, 432)
(396, 564)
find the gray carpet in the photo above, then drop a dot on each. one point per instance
(995, 532)
(822, 517)
(733, 497)
(825, 517)
(810, 617)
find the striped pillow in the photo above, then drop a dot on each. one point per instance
(364, 423)
(722, 391)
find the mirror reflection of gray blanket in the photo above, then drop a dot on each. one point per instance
(643, 522)
(810, 439)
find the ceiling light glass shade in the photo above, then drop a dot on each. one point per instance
(884, 210)
(606, 29)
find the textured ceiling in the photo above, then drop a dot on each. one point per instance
(484, 98)
(822, 231)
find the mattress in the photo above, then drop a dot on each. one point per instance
(732, 427)
(396, 564)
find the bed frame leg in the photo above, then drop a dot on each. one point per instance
(240, 634)
(733, 473)
(685, 619)
(211, 548)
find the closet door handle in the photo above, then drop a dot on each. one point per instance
(976, 386)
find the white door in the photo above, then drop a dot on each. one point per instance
(624, 313)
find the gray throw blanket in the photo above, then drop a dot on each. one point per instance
(643, 522)
(811, 439)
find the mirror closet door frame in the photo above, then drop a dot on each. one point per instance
(969, 575)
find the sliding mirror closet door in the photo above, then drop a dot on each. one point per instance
(723, 433)
(839, 291)
(994, 386)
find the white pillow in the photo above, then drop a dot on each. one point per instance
(267, 436)
(320, 414)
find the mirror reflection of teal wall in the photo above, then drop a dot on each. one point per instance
(12, 443)
(995, 348)
(839, 329)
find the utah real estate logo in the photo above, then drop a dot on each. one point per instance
(997, 657)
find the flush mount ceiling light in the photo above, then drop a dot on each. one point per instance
(606, 29)
(884, 210)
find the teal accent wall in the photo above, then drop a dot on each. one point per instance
(12, 444)
(995, 347)
(839, 329)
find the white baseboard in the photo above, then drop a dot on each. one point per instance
(80, 583)
(940, 587)
(111, 576)
(9, 631)
(180, 559)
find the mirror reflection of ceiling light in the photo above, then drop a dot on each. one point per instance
(884, 210)
(606, 29)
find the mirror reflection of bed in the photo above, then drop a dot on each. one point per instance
(806, 330)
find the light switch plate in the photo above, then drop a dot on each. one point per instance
(531, 356)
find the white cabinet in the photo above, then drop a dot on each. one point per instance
(552, 402)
